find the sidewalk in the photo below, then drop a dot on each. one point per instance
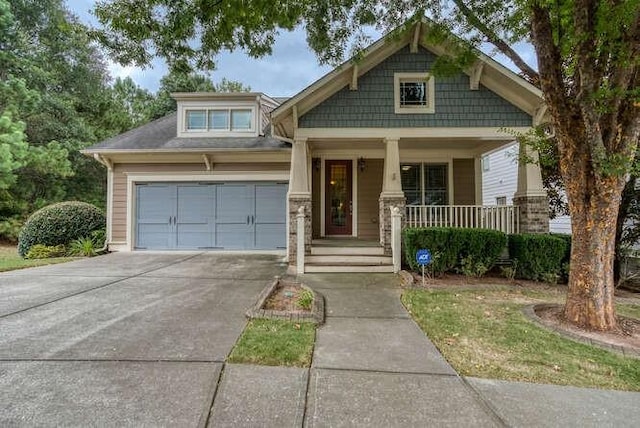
(373, 366)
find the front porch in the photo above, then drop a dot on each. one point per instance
(347, 187)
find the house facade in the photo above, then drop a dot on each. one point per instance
(322, 170)
(500, 180)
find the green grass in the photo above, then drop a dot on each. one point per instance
(483, 333)
(275, 343)
(10, 260)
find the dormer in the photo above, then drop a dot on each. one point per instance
(213, 114)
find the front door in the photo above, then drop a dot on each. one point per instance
(338, 202)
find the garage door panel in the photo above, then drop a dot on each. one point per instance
(154, 236)
(155, 207)
(233, 204)
(271, 203)
(195, 204)
(270, 236)
(233, 236)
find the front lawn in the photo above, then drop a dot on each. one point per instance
(275, 343)
(10, 260)
(483, 333)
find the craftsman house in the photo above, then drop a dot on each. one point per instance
(245, 171)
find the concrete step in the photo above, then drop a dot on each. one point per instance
(348, 269)
(358, 251)
(346, 260)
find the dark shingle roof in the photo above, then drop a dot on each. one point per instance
(161, 134)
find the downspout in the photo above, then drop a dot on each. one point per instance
(109, 165)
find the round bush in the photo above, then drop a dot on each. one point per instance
(59, 224)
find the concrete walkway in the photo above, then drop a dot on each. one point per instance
(373, 366)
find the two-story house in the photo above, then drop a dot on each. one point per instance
(233, 171)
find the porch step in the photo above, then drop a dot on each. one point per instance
(336, 251)
(348, 269)
(348, 260)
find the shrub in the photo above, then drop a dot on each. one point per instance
(479, 247)
(538, 256)
(59, 224)
(40, 251)
(564, 271)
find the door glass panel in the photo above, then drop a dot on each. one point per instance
(339, 197)
(410, 177)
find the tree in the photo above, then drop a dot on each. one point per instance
(588, 55)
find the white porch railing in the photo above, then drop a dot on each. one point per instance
(504, 218)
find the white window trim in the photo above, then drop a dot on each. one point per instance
(416, 77)
(185, 106)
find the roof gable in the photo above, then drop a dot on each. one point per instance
(372, 105)
(488, 73)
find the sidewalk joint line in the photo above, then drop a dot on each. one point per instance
(493, 412)
(379, 371)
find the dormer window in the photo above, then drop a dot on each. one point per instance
(220, 120)
(414, 93)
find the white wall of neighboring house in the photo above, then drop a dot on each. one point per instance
(500, 180)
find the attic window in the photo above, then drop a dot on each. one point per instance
(220, 120)
(414, 93)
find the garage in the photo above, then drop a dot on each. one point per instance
(226, 216)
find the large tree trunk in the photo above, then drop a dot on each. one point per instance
(590, 298)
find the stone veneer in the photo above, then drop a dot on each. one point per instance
(294, 204)
(385, 204)
(534, 213)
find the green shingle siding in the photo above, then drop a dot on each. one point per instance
(371, 106)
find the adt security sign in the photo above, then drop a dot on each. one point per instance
(423, 257)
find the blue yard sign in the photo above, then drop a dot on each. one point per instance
(423, 257)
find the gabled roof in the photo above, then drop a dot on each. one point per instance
(161, 135)
(491, 74)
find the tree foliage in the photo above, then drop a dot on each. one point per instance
(56, 98)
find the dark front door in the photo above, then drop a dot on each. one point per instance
(338, 203)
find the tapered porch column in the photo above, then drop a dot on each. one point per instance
(531, 197)
(299, 196)
(392, 194)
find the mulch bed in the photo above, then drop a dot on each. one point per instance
(284, 298)
(627, 335)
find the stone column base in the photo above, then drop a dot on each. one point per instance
(385, 204)
(295, 202)
(534, 213)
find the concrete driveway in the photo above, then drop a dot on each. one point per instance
(124, 339)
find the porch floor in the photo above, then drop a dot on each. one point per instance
(344, 242)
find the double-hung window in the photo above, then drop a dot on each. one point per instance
(220, 120)
(424, 183)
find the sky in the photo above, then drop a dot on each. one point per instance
(290, 69)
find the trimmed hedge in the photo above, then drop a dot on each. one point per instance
(449, 246)
(59, 224)
(537, 255)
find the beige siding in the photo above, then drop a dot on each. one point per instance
(464, 187)
(369, 188)
(316, 201)
(120, 197)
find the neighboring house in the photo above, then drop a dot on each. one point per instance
(500, 179)
(233, 171)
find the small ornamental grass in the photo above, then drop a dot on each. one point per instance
(275, 343)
